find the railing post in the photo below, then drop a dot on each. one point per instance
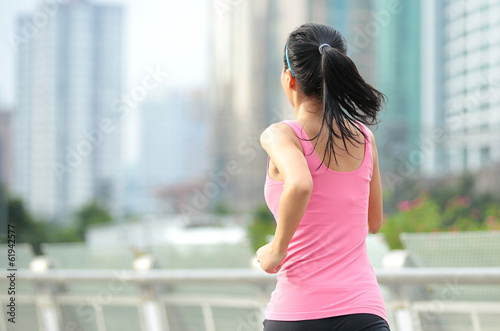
(208, 317)
(476, 324)
(154, 315)
(48, 311)
(403, 319)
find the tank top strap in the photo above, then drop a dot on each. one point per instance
(307, 145)
(368, 157)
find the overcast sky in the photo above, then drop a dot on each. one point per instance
(173, 34)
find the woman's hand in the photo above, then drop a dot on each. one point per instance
(270, 258)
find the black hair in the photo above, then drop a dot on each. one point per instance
(332, 77)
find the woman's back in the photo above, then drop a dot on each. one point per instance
(326, 271)
(348, 158)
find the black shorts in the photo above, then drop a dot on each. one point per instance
(351, 322)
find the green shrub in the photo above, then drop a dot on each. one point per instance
(262, 226)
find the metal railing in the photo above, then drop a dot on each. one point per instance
(152, 293)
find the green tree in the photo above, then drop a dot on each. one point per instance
(28, 230)
(262, 226)
(90, 214)
(222, 208)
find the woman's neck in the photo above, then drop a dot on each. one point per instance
(309, 110)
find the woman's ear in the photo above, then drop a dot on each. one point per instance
(289, 79)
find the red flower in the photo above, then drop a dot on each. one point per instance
(404, 205)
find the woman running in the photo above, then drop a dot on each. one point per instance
(324, 206)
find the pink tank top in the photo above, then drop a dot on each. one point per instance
(327, 272)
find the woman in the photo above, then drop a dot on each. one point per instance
(323, 209)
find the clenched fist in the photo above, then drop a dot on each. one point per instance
(269, 258)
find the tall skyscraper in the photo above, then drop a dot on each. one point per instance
(67, 124)
(239, 61)
(395, 30)
(471, 71)
(460, 70)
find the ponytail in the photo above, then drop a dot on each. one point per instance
(325, 71)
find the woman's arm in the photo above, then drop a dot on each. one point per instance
(375, 206)
(282, 145)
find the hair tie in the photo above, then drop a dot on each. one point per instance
(321, 47)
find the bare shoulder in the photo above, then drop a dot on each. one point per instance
(277, 133)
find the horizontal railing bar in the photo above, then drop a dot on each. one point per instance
(407, 276)
(215, 301)
(105, 300)
(24, 299)
(449, 276)
(457, 306)
(146, 277)
(218, 301)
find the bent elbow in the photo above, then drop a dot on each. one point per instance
(302, 188)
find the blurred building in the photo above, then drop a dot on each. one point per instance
(67, 121)
(460, 70)
(239, 47)
(173, 150)
(431, 146)
(5, 148)
(352, 18)
(471, 71)
(395, 29)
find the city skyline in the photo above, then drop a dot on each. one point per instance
(187, 63)
(414, 63)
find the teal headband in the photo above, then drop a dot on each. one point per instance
(288, 61)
